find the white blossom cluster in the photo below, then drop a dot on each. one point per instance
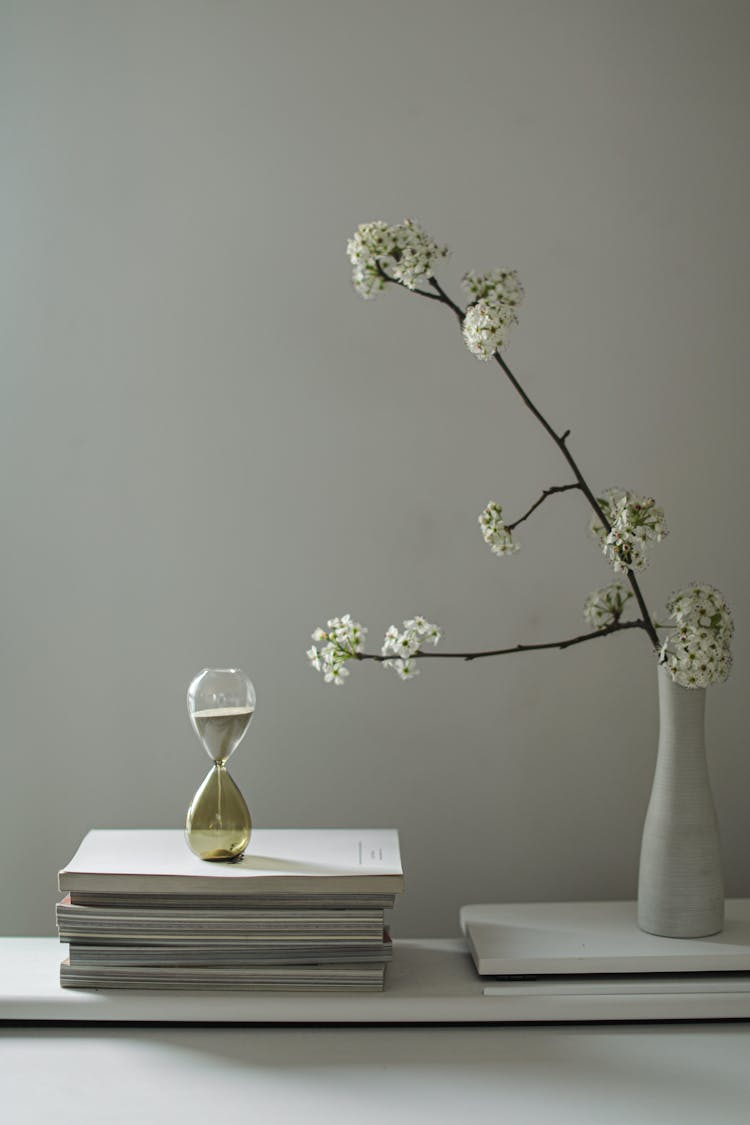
(635, 522)
(404, 253)
(488, 320)
(697, 653)
(405, 644)
(495, 531)
(343, 639)
(496, 285)
(607, 502)
(604, 606)
(486, 326)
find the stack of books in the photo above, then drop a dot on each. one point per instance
(304, 909)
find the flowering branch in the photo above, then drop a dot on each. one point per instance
(696, 652)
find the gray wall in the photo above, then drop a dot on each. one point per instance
(210, 444)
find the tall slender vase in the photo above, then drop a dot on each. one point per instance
(680, 885)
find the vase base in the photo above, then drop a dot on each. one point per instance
(682, 927)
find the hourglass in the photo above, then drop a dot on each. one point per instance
(221, 703)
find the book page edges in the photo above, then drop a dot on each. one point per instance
(259, 885)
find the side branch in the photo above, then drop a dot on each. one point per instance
(616, 627)
(547, 492)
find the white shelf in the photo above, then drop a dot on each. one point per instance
(429, 981)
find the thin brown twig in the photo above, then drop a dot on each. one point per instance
(569, 642)
(547, 493)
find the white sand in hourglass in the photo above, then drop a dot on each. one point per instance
(221, 729)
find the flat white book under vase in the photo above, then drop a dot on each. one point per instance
(585, 938)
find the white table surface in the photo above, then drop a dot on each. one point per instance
(684, 1074)
(100, 1073)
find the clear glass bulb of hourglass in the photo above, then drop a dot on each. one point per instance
(221, 704)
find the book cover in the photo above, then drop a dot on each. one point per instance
(278, 861)
(582, 938)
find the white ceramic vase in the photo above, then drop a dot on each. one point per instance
(680, 884)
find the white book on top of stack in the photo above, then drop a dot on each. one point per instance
(279, 862)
